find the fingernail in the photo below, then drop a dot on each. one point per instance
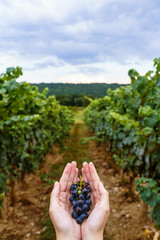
(85, 163)
(74, 164)
(91, 163)
(55, 184)
(68, 164)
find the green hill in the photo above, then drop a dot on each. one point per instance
(73, 94)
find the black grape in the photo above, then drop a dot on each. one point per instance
(74, 215)
(74, 203)
(81, 197)
(79, 220)
(71, 198)
(80, 203)
(84, 208)
(88, 202)
(84, 191)
(78, 210)
(73, 187)
(87, 196)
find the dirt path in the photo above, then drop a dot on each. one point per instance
(28, 219)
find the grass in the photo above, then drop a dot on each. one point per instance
(78, 117)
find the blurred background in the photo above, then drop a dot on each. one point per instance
(79, 81)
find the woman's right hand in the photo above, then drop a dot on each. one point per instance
(93, 227)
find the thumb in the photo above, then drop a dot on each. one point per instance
(55, 195)
(104, 195)
(56, 188)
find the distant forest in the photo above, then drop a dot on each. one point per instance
(74, 94)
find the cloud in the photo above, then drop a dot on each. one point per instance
(50, 62)
(91, 70)
(79, 35)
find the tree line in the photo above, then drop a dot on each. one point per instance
(75, 94)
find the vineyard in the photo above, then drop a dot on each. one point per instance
(30, 123)
(120, 133)
(128, 119)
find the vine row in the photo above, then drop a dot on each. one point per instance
(128, 119)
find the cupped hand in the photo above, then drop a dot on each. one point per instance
(93, 227)
(60, 208)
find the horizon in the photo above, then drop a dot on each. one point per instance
(80, 83)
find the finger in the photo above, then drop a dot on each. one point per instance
(75, 176)
(54, 200)
(65, 177)
(87, 174)
(94, 176)
(72, 173)
(75, 179)
(84, 171)
(84, 178)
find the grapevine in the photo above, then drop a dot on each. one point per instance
(30, 123)
(128, 119)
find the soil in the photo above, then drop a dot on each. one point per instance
(25, 220)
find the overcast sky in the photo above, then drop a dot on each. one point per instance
(79, 40)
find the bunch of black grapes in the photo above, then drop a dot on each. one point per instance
(80, 200)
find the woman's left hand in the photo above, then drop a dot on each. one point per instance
(60, 208)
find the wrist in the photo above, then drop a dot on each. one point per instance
(93, 236)
(63, 236)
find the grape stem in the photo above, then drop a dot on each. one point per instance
(80, 183)
(80, 187)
